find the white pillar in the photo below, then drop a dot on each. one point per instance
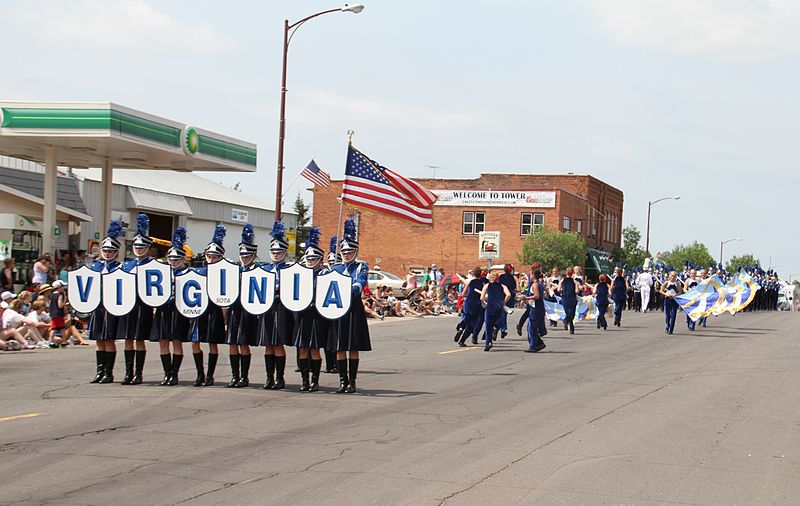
(105, 198)
(50, 192)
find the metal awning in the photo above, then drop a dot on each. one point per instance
(159, 202)
(61, 211)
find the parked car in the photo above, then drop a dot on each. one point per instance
(378, 278)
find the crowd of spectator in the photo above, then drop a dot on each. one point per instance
(38, 316)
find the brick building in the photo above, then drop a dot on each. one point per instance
(513, 204)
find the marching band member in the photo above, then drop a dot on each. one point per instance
(311, 333)
(278, 323)
(135, 327)
(534, 295)
(242, 326)
(670, 289)
(169, 324)
(473, 310)
(619, 294)
(495, 295)
(350, 333)
(330, 355)
(507, 279)
(103, 326)
(568, 288)
(689, 283)
(211, 325)
(601, 291)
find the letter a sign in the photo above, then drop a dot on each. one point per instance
(257, 291)
(333, 295)
(223, 282)
(191, 298)
(154, 283)
(297, 287)
(84, 289)
(119, 292)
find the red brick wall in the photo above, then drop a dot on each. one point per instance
(396, 245)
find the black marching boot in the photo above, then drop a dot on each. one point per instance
(176, 366)
(137, 373)
(330, 361)
(306, 386)
(212, 366)
(269, 366)
(108, 373)
(280, 367)
(351, 386)
(341, 365)
(100, 356)
(198, 364)
(234, 371)
(166, 363)
(316, 366)
(129, 354)
(245, 381)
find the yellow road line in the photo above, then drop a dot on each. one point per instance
(19, 417)
(460, 349)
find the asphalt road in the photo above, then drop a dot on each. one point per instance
(627, 416)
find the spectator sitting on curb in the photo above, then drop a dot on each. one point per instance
(11, 337)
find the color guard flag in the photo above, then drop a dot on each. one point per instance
(368, 184)
(317, 176)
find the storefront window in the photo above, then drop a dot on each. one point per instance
(530, 222)
(473, 222)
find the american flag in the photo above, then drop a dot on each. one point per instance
(368, 184)
(316, 175)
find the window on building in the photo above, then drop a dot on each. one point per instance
(579, 226)
(530, 222)
(565, 222)
(473, 222)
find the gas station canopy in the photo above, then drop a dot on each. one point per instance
(104, 134)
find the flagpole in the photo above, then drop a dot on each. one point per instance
(350, 134)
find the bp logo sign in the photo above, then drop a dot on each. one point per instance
(190, 140)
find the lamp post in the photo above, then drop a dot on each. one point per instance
(722, 243)
(649, 205)
(792, 275)
(287, 37)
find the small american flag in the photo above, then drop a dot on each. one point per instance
(368, 184)
(316, 175)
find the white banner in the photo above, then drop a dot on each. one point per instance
(494, 198)
(333, 295)
(83, 289)
(223, 282)
(297, 287)
(257, 292)
(191, 297)
(154, 283)
(119, 292)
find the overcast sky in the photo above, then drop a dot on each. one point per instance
(690, 97)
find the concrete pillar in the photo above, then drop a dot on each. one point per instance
(105, 197)
(50, 192)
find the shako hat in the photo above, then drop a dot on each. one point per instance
(349, 242)
(278, 234)
(178, 240)
(215, 247)
(313, 251)
(248, 245)
(111, 241)
(142, 238)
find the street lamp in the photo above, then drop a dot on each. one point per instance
(793, 275)
(721, 243)
(287, 37)
(649, 205)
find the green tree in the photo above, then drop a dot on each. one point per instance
(301, 209)
(553, 248)
(631, 253)
(737, 262)
(697, 253)
(303, 218)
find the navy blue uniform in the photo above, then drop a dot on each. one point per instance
(311, 330)
(278, 323)
(601, 299)
(102, 325)
(473, 309)
(494, 310)
(137, 324)
(569, 299)
(243, 327)
(170, 325)
(350, 332)
(619, 295)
